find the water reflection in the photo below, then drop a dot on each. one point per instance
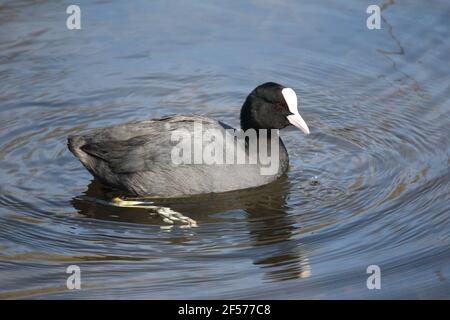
(277, 251)
(271, 230)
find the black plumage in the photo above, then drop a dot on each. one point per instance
(136, 157)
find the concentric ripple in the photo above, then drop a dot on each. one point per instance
(369, 186)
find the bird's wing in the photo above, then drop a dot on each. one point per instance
(133, 155)
(143, 152)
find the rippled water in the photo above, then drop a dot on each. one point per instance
(370, 185)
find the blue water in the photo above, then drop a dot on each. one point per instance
(368, 186)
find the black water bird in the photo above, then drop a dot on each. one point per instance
(138, 157)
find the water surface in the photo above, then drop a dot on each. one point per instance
(369, 185)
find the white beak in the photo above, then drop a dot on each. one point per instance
(295, 118)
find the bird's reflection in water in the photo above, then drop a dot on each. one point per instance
(273, 246)
(271, 230)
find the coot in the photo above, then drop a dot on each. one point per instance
(141, 158)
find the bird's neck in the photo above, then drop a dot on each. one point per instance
(247, 116)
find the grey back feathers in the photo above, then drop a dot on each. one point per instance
(136, 158)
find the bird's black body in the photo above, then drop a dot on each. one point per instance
(136, 157)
